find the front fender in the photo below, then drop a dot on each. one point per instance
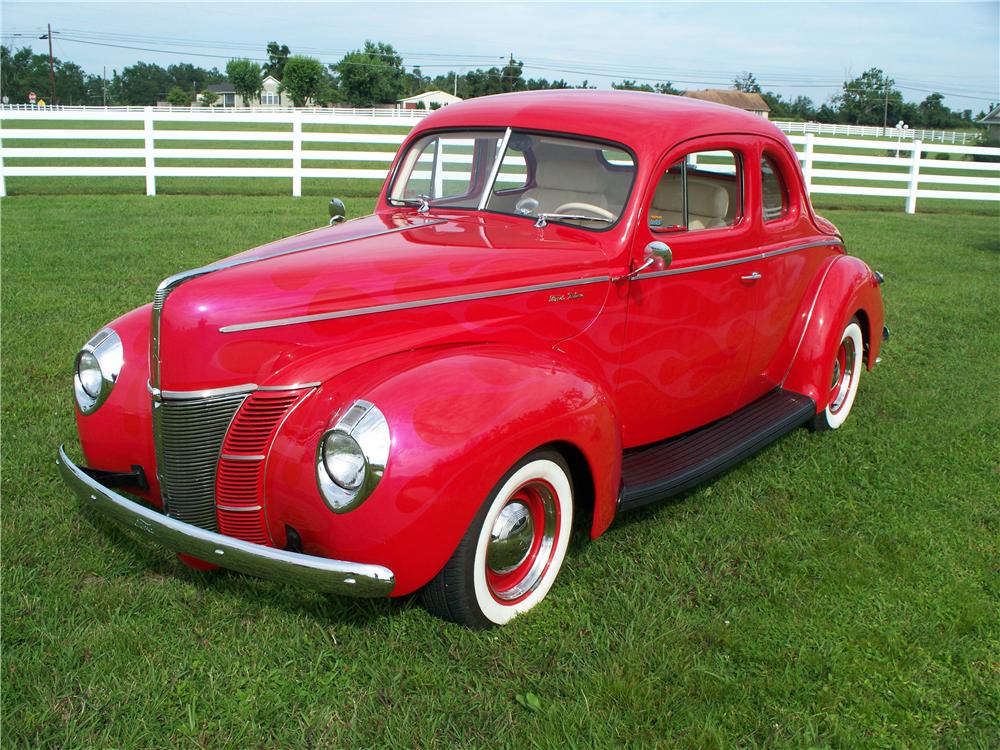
(459, 418)
(849, 289)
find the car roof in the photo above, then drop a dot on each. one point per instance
(633, 118)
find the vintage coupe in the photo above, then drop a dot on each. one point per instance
(566, 305)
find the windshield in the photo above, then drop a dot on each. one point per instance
(544, 177)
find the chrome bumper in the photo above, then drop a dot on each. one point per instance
(333, 576)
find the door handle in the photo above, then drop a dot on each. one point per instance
(751, 277)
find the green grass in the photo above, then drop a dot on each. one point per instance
(840, 590)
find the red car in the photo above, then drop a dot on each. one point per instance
(566, 305)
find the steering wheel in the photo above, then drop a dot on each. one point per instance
(589, 207)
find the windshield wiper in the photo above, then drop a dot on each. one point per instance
(422, 201)
(543, 219)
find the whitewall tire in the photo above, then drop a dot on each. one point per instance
(513, 549)
(844, 378)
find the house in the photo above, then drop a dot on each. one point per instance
(270, 96)
(731, 97)
(430, 100)
(992, 123)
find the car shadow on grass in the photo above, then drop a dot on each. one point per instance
(160, 563)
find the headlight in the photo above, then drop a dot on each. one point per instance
(351, 457)
(97, 368)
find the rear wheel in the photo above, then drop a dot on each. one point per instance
(513, 549)
(846, 373)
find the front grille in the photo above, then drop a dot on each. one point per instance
(189, 436)
(240, 483)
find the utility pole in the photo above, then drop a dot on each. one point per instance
(52, 72)
(885, 108)
(104, 86)
(454, 74)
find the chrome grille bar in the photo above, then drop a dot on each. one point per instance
(189, 436)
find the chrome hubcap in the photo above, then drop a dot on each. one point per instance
(511, 538)
(522, 542)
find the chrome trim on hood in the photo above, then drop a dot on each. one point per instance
(410, 305)
(172, 282)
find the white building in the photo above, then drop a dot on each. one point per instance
(430, 100)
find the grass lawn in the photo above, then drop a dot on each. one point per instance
(840, 590)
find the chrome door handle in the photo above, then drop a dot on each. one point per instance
(751, 277)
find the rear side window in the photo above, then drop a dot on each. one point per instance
(699, 191)
(773, 190)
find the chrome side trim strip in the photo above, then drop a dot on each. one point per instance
(239, 509)
(333, 576)
(737, 261)
(293, 387)
(411, 305)
(233, 457)
(159, 395)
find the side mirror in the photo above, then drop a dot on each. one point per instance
(338, 212)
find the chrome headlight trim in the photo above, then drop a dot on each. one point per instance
(106, 348)
(366, 426)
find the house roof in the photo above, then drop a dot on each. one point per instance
(220, 88)
(436, 95)
(993, 118)
(731, 98)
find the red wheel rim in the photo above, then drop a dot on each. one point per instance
(536, 505)
(843, 375)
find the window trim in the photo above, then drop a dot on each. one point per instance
(768, 155)
(407, 144)
(739, 216)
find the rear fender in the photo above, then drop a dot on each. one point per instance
(459, 418)
(849, 289)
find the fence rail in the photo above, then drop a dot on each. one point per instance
(831, 165)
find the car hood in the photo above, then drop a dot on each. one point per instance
(377, 285)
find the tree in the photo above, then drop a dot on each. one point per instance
(276, 58)
(208, 98)
(141, 84)
(303, 78)
(746, 83)
(245, 77)
(630, 85)
(23, 71)
(869, 99)
(934, 114)
(372, 75)
(179, 97)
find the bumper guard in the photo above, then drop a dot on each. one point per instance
(332, 576)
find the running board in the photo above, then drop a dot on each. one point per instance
(678, 464)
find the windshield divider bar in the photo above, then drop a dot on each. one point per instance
(495, 170)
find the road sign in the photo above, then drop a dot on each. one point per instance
(31, 97)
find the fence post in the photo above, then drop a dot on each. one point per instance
(807, 165)
(296, 154)
(147, 131)
(911, 198)
(3, 180)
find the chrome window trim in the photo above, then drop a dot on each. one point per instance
(411, 305)
(738, 261)
(495, 170)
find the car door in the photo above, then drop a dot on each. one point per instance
(690, 322)
(793, 252)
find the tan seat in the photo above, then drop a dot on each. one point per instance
(561, 181)
(708, 203)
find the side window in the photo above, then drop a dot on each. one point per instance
(700, 191)
(773, 190)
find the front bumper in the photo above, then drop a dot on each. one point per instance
(333, 576)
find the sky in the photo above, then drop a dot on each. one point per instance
(803, 48)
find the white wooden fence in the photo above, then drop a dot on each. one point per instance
(842, 166)
(954, 137)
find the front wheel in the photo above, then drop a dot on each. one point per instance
(844, 379)
(513, 549)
